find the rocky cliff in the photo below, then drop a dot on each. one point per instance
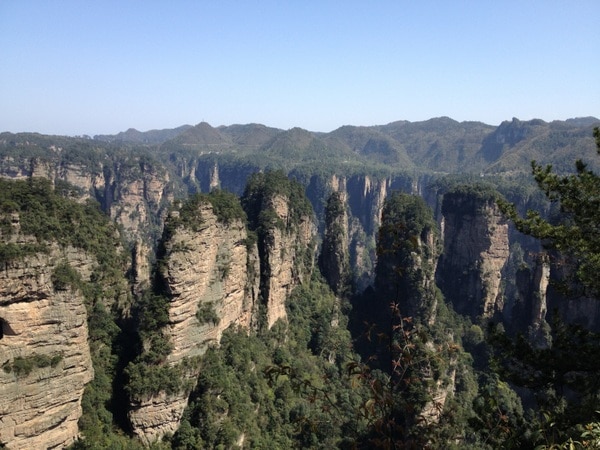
(363, 199)
(476, 250)
(209, 273)
(215, 274)
(283, 220)
(136, 194)
(407, 254)
(334, 259)
(287, 252)
(132, 189)
(60, 268)
(531, 302)
(44, 352)
(408, 305)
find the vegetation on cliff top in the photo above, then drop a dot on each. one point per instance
(43, 213)
(226, 206)
(263, 188)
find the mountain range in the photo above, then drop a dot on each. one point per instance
(439, 144)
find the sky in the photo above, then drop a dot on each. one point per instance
(76, 67)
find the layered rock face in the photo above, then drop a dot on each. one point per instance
(135, 195)
(476, 250)
(211, 284)
(44, 352)
(132, 192)
(284, 245)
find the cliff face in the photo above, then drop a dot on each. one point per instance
(334, 259)
(43, 351)
(579, 308)
(215, 276)
(132, 191)
(363, 198)
(530, 312)
(204, 173)
(283, 220)
(211, 285)
(476, 250)
(406, 296)
(286, 250)
(135, 194)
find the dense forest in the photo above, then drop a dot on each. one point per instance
(247, 287)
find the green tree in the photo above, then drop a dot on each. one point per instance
(562, 376)
(577, 234)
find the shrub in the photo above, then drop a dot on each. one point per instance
(207, 314)
(23, 366)
(64, 276)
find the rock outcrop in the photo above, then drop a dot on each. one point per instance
(406, 297)
(407, 254)
(44, 352)
(131, 190)
(135, 194)
(334, 259)
(283, 220)
(211, 279)
(215, 275)
(285, 248)
(476, 250)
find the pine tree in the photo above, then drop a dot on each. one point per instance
(577, 235)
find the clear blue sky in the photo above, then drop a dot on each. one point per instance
(92, 67)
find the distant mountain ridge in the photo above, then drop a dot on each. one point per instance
(143, 137)
(441, 145)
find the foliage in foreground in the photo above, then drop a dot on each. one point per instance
(576, 233)
(562, 376)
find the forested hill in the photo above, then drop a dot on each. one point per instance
(439, 144)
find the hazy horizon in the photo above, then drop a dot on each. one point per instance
(284, 129)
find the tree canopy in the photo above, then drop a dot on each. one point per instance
(577, 232)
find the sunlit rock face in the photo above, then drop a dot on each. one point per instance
(283, 248)
(476, 249)
(206, 270)
(44, 351)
